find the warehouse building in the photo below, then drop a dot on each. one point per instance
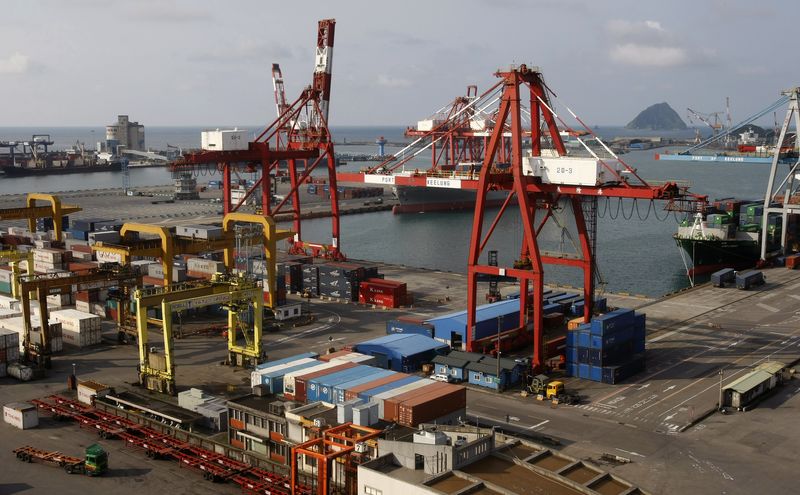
(402, 352)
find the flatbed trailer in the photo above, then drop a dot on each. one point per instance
(70, 464)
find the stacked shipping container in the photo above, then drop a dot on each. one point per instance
(610, 349)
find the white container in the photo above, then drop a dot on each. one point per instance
(76, 321)
(571, 171)
(83, 306)
(48, 255)
(224, 140)
(45, 266)
(289, 379)
(20, 372)
(88, 390)
(21, 415)
(429, 124)
(8, 302)
(5, 275)
(199, 231)
(202, 265)
(59, 300)
(255, 376)
(9, 313)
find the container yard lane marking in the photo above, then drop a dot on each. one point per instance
(631, 453)
(768, 308)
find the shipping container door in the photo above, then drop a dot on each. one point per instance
(382, 360)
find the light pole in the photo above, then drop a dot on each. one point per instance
(721, 375)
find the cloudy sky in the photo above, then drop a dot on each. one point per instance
(207, 63)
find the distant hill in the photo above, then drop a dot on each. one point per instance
(658, 117)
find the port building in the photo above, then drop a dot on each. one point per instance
(125, 133)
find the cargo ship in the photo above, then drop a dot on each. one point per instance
(727, 237)
(36, 159)
(426, 199)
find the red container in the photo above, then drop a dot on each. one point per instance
(328, 357)
(148, 280)
(793, 261)
(431, 406)
(554, 347)
(81, 248)
(301, 381)
(553, 320)
(81, 266)
(391, 405)
(353, 392)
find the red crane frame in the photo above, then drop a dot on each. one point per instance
(299, 134)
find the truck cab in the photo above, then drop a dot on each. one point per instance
(96, 462)
(554, 389)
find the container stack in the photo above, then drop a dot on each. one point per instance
(9, 349)
(311, 279)
(46, 260)
(78, 328)
(610, 349)
(16, 325)
(90, 301)
(203, 268)
(341, 280)
(362, 393)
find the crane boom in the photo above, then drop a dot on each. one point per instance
(277, 86)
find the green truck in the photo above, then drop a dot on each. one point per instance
(94, 463)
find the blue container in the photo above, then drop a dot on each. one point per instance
(638, 345)
(583, 355)
(584, 337)
(551, 308)
(609, 340)
(563, 298)
(572, 355)
(612, 322)
(572, 369)
(584, 371)
(616, 374)
(572, 339)
(366, 394)
(721, 277)
(612, 355)
(600, 304)
(577, 308)
(596, 373)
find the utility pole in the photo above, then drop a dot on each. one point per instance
(721, 375)
(499, 326)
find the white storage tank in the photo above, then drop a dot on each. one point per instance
(224, 140)
(21, 415)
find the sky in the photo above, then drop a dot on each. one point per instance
(208, 63)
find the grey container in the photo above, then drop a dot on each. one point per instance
(721, 277)
(748, 279)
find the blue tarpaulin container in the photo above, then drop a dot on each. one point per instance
(453, 326)
(399, 326)
(402, 352)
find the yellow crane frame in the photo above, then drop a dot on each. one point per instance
(179, 297)
(31, 212)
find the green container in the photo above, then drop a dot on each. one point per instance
(5, 287)
(750, 227)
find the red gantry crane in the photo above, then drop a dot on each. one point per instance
(299, 134)
(519, 149)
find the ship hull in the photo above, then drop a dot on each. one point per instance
(29, 172)
(428, 199)
(709, 256)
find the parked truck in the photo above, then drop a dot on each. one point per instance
(94, 463)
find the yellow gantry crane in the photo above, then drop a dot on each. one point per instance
(49, 284)
(236, 293)
(31, 212)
